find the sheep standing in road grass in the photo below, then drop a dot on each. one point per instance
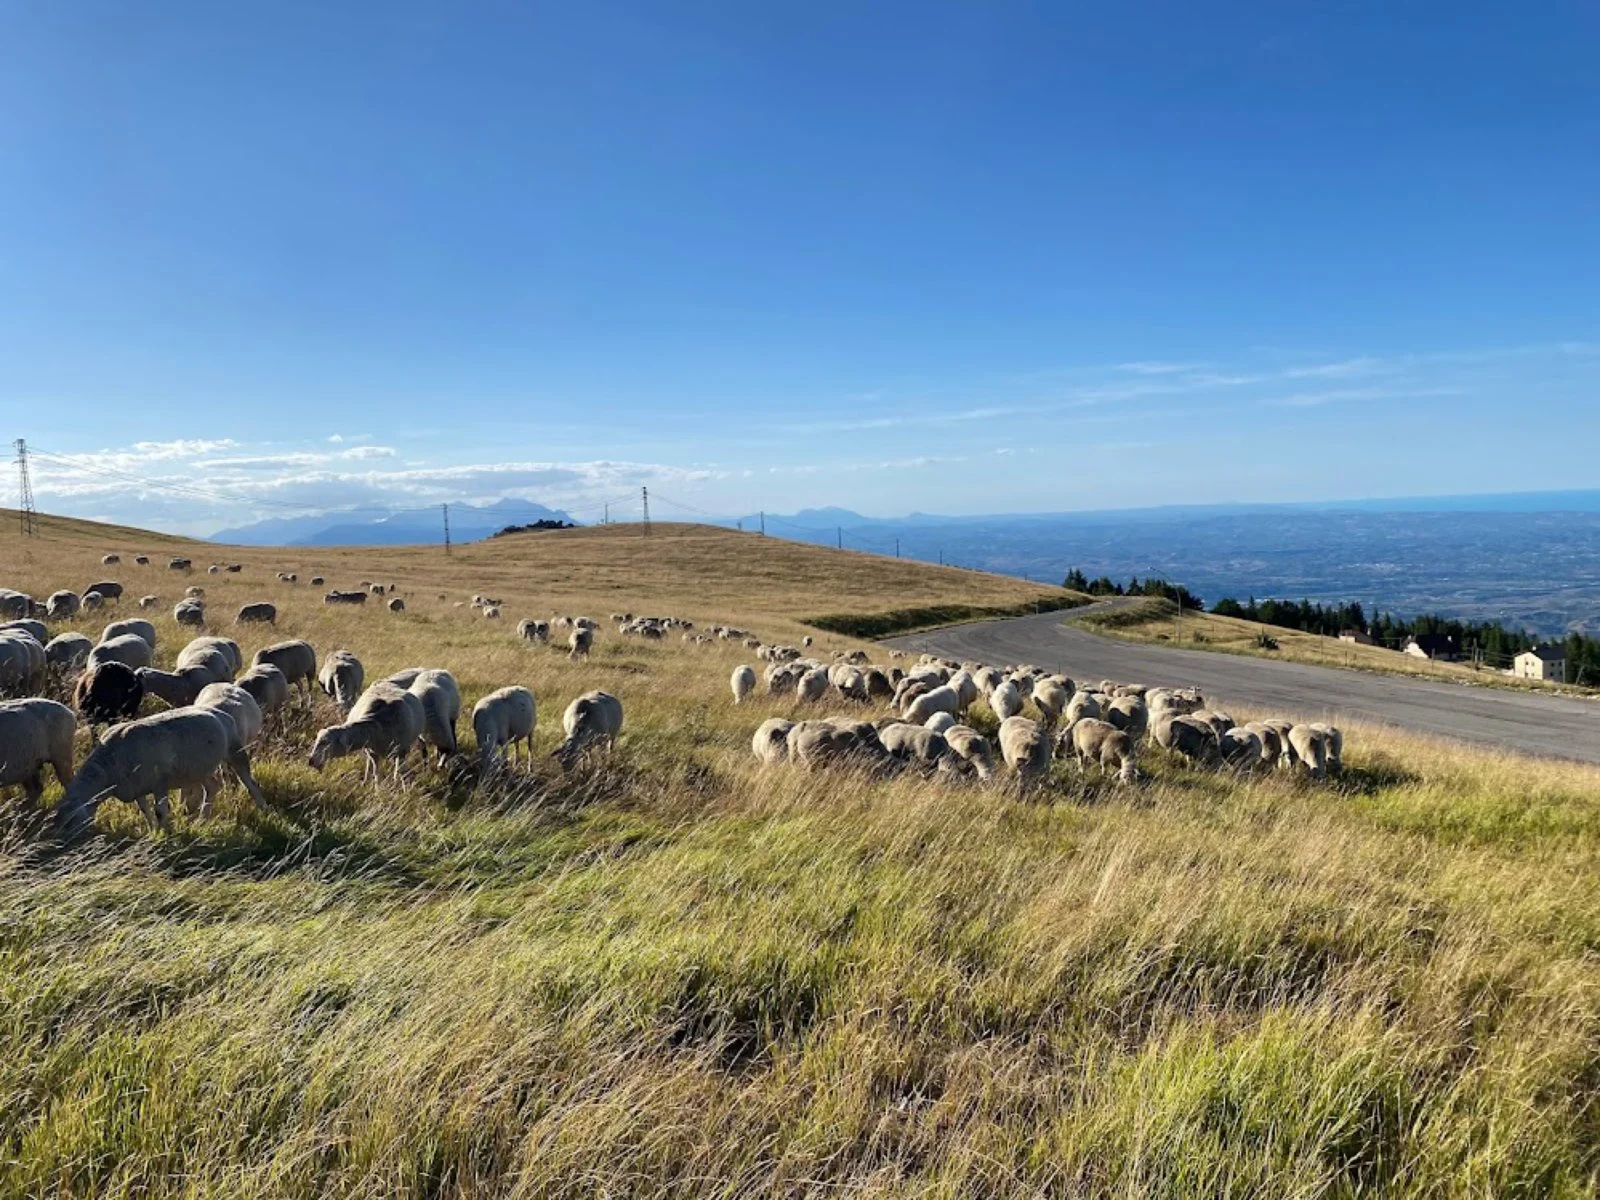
(501, 719)
(384, 723)
(593, 719)
(743, 682)
(33, 734)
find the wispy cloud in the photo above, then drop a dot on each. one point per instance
(1339, 395)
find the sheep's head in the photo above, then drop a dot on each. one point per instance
(331, 743)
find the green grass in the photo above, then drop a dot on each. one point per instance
(680, 974)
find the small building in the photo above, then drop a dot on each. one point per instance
(1357, 637)
(1542, 662)
(1436, 646)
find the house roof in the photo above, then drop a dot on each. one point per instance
(1548, 653)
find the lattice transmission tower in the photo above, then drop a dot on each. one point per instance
(27, 516)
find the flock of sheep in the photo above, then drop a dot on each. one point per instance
(1103, 726)
(217, 708)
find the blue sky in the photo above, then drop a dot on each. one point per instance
(957, 258)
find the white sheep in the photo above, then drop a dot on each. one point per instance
(62, 606)
(591, 719)
(504, 718)
(579, 641)
(184, 749)
(941, 699)
(743, 682)
(1103, 744)
(67, 651)
(37, 630)
(267, 684)
(771, 741)
(191, 614)
(342, 678)
(813, 685)
(396, 605)
(973, 748)
(1051, 699)
(296, 659)
(239, 704)
(939, 722)
(149, 601)
(258, 612)
(533, 631)
(206, 649)
(22, 663)
(134, 625)
(1006, 700)
(33, 733)
(129, 649)
(384, 723)
(1025, 747)
(441, 706)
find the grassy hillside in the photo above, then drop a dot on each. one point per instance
(676, 973)
(1154, 620)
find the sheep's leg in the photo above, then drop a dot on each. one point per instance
(33, 787)
(163, 809)
(147, 810)
(193, 797)
(241, 768)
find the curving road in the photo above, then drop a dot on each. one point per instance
(1550, 726)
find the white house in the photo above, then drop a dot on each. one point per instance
(1542, 662)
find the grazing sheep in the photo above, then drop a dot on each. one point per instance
(1220, 722)
(213, 569)
(807, 640)
(110, 589)
(15, 604)
(1102, 743)
(261, 612)
(184, 749)
(743, 682)
(142, 559)
(194, 592)
(441, 706)
(384, 723)
(203, 649)
(916, 746)
(149, 601)
(1271, 742)
(93, 602)
(191, 614)
(1310, 750)
(137, 626)
(317, 581)
(67, 651)
(591, 719)
(819, 744)
(33, 733)
(179, 688)
(337, 597)
(296, 659)
(107, 692)
(941, 699)
(342, 678)
(1240, 749)
(1006, 700)
(491, 612)
(771, 741)
(239, 704)
(939, 722)
(1129, 714)
(110, 560)
(504, 718)
(22, 663)
(972, 748)
(533, 631)
(1051, 699)
(1333, 747)
(812, 685)
(267, 684)
(397, 605)
(37, 630)
(878, 683)
(1025, 747)
(129, 649)
(62, 606)
(179, 564)
(579, 641)
(1082, 706)
(1194, 740)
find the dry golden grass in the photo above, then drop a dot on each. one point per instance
(1154, 622)
(678, 974)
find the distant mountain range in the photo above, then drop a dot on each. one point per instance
(1528, 559)
(407, 527)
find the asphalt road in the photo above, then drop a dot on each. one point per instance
(1551, 726)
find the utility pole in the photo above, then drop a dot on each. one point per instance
(941, 556)
(763, 522)
(838, 537)
(445, 508)
(606, 520)
(897, 547)
(645, 494)
(27, 518)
